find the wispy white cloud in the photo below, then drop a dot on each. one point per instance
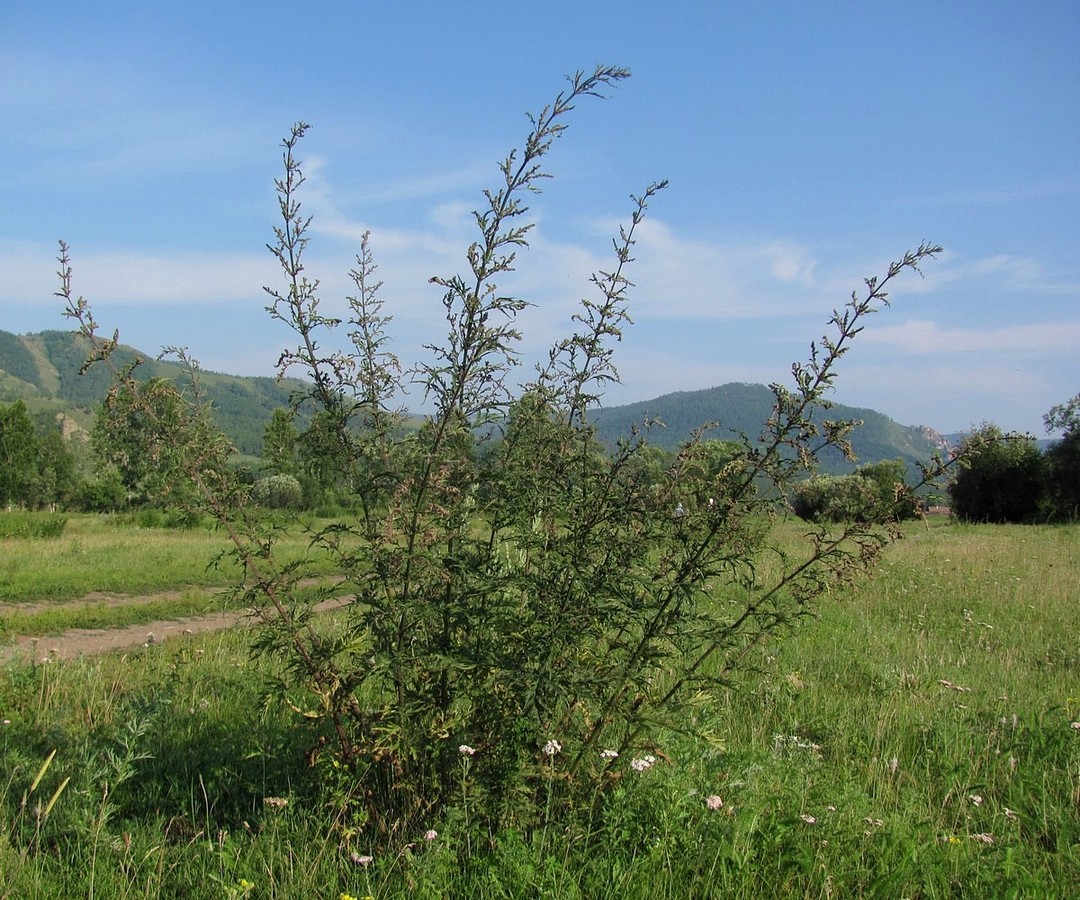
(1048, 189)
(997, 273)
(133, 278)
(433, 184)
(681, 276)
(949, 393)
(922, 337)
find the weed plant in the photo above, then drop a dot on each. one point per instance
(526, 632)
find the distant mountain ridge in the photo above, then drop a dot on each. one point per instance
(43, 370)
(739, 408)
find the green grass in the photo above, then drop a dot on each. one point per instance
(100, 554)
(108, 554)
(64, 617)
(102, 572)
(913, 740)
(931, 713)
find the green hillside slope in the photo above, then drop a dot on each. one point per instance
(43, 370)
(744, 409)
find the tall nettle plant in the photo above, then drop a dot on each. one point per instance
(542, 607)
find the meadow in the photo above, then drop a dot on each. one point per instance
(102, 571)
(919, 737)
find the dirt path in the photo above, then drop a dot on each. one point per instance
(95, 641)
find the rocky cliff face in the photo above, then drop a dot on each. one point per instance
(936, 438)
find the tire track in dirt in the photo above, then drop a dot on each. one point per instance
(96, 641)
(80, 642)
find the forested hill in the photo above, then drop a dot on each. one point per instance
(43, 370)
(745, 408)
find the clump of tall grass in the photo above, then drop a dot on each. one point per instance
(31, 525)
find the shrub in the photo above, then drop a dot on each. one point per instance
(278, 492)
(837, 498)
(105, 492)
(1001, 478)
(21, 524)
(521, 631)
(874, 493)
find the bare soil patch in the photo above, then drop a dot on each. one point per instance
(80, 642)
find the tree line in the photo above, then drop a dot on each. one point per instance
(999, 477)
(1008, 478)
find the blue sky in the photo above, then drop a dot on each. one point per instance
(807, 145)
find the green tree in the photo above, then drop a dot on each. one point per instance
(1001, 478)
(144, 431)
(280, 444)
(893, 497)
(19, 470)
(36, 467)
(1063, 460)
(57, 479)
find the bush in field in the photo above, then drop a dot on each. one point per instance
(278, 492)
(1002, 478)
(874, 493)
(836, 498)
(104, 491)
(894, 498)
(525, 623)
(23, 524)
